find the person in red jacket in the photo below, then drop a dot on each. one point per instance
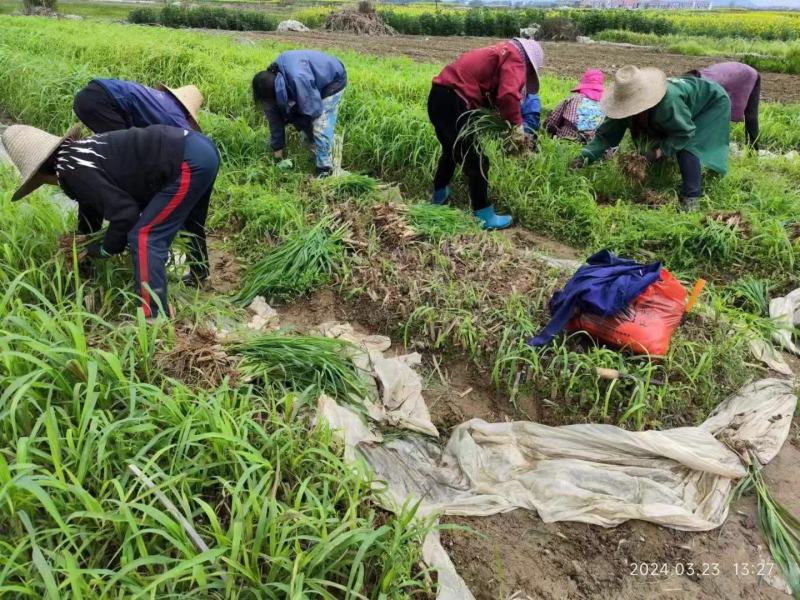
(497, 78)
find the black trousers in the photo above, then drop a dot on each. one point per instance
(691, 174)
(96, 109)
(751, 115)
(448, 114)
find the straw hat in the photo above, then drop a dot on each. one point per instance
(533, 50)
(634, 91)
(189, 97)
(29, 148)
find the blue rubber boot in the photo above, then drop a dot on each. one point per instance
(491, 220)
(441, 196)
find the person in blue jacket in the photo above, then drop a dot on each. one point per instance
(106, 105)
(113, 104)
(302, 88)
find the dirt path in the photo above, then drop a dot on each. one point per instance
(561, 58)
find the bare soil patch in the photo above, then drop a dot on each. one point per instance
(516, 553)
(566, 59)
(226, 272)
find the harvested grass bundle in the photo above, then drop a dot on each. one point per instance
(198, 359)
(438, 222)
(392, 223)
(73, 247)
(633, 166)
(304, 261)
(350, 186)
(780, 527)
(301, 362)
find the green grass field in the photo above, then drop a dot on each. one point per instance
(85, 390)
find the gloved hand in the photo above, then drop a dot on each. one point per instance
(95, 250)
(285, 164)
(577, 163)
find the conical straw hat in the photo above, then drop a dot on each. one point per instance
(634, 91)
(29, 148)
(190, 98)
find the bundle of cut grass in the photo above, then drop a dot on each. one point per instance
(780, 527)
(350, 186)
(633, 166)
(303, 262)
(301, 362)
(438, 222)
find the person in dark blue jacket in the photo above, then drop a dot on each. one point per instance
(146, 182)
(114, 104)
(302, 88)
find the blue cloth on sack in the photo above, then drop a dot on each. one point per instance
(604, 286)
(144, 106)
(531, 113)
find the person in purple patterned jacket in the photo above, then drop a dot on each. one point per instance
(743, 84)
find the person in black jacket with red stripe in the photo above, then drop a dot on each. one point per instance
(147, 182)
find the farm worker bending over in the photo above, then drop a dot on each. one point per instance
(577, 117)
(112, 104)
(687, 118)
(497, 77)
(743, 85)
(302, 88)
(147, 182)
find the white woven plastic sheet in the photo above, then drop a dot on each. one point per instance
(599, 474)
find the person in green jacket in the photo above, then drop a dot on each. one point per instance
(687, 118)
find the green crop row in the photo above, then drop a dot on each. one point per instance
(387, 134)
(88, 404)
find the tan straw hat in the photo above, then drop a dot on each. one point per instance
(634, 91)
(190, 98)
(29, 148)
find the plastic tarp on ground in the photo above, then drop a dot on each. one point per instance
(599, 474)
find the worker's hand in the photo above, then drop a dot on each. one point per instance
(96, 251)
(654, 155)
(519, 138)
(577, 163)
(277, 154)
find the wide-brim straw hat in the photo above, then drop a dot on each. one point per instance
(29, 149)
(189, 97)
(535, 54)
(634, 91)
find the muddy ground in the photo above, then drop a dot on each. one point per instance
(517, 556)
(567, 59)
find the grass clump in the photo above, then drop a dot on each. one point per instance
(301, 362)
(84, 398)
(303, 262)
(780, 527)
(438, 222)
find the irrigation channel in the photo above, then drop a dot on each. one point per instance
(420, 278)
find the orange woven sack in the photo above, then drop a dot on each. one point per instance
(646, 325)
